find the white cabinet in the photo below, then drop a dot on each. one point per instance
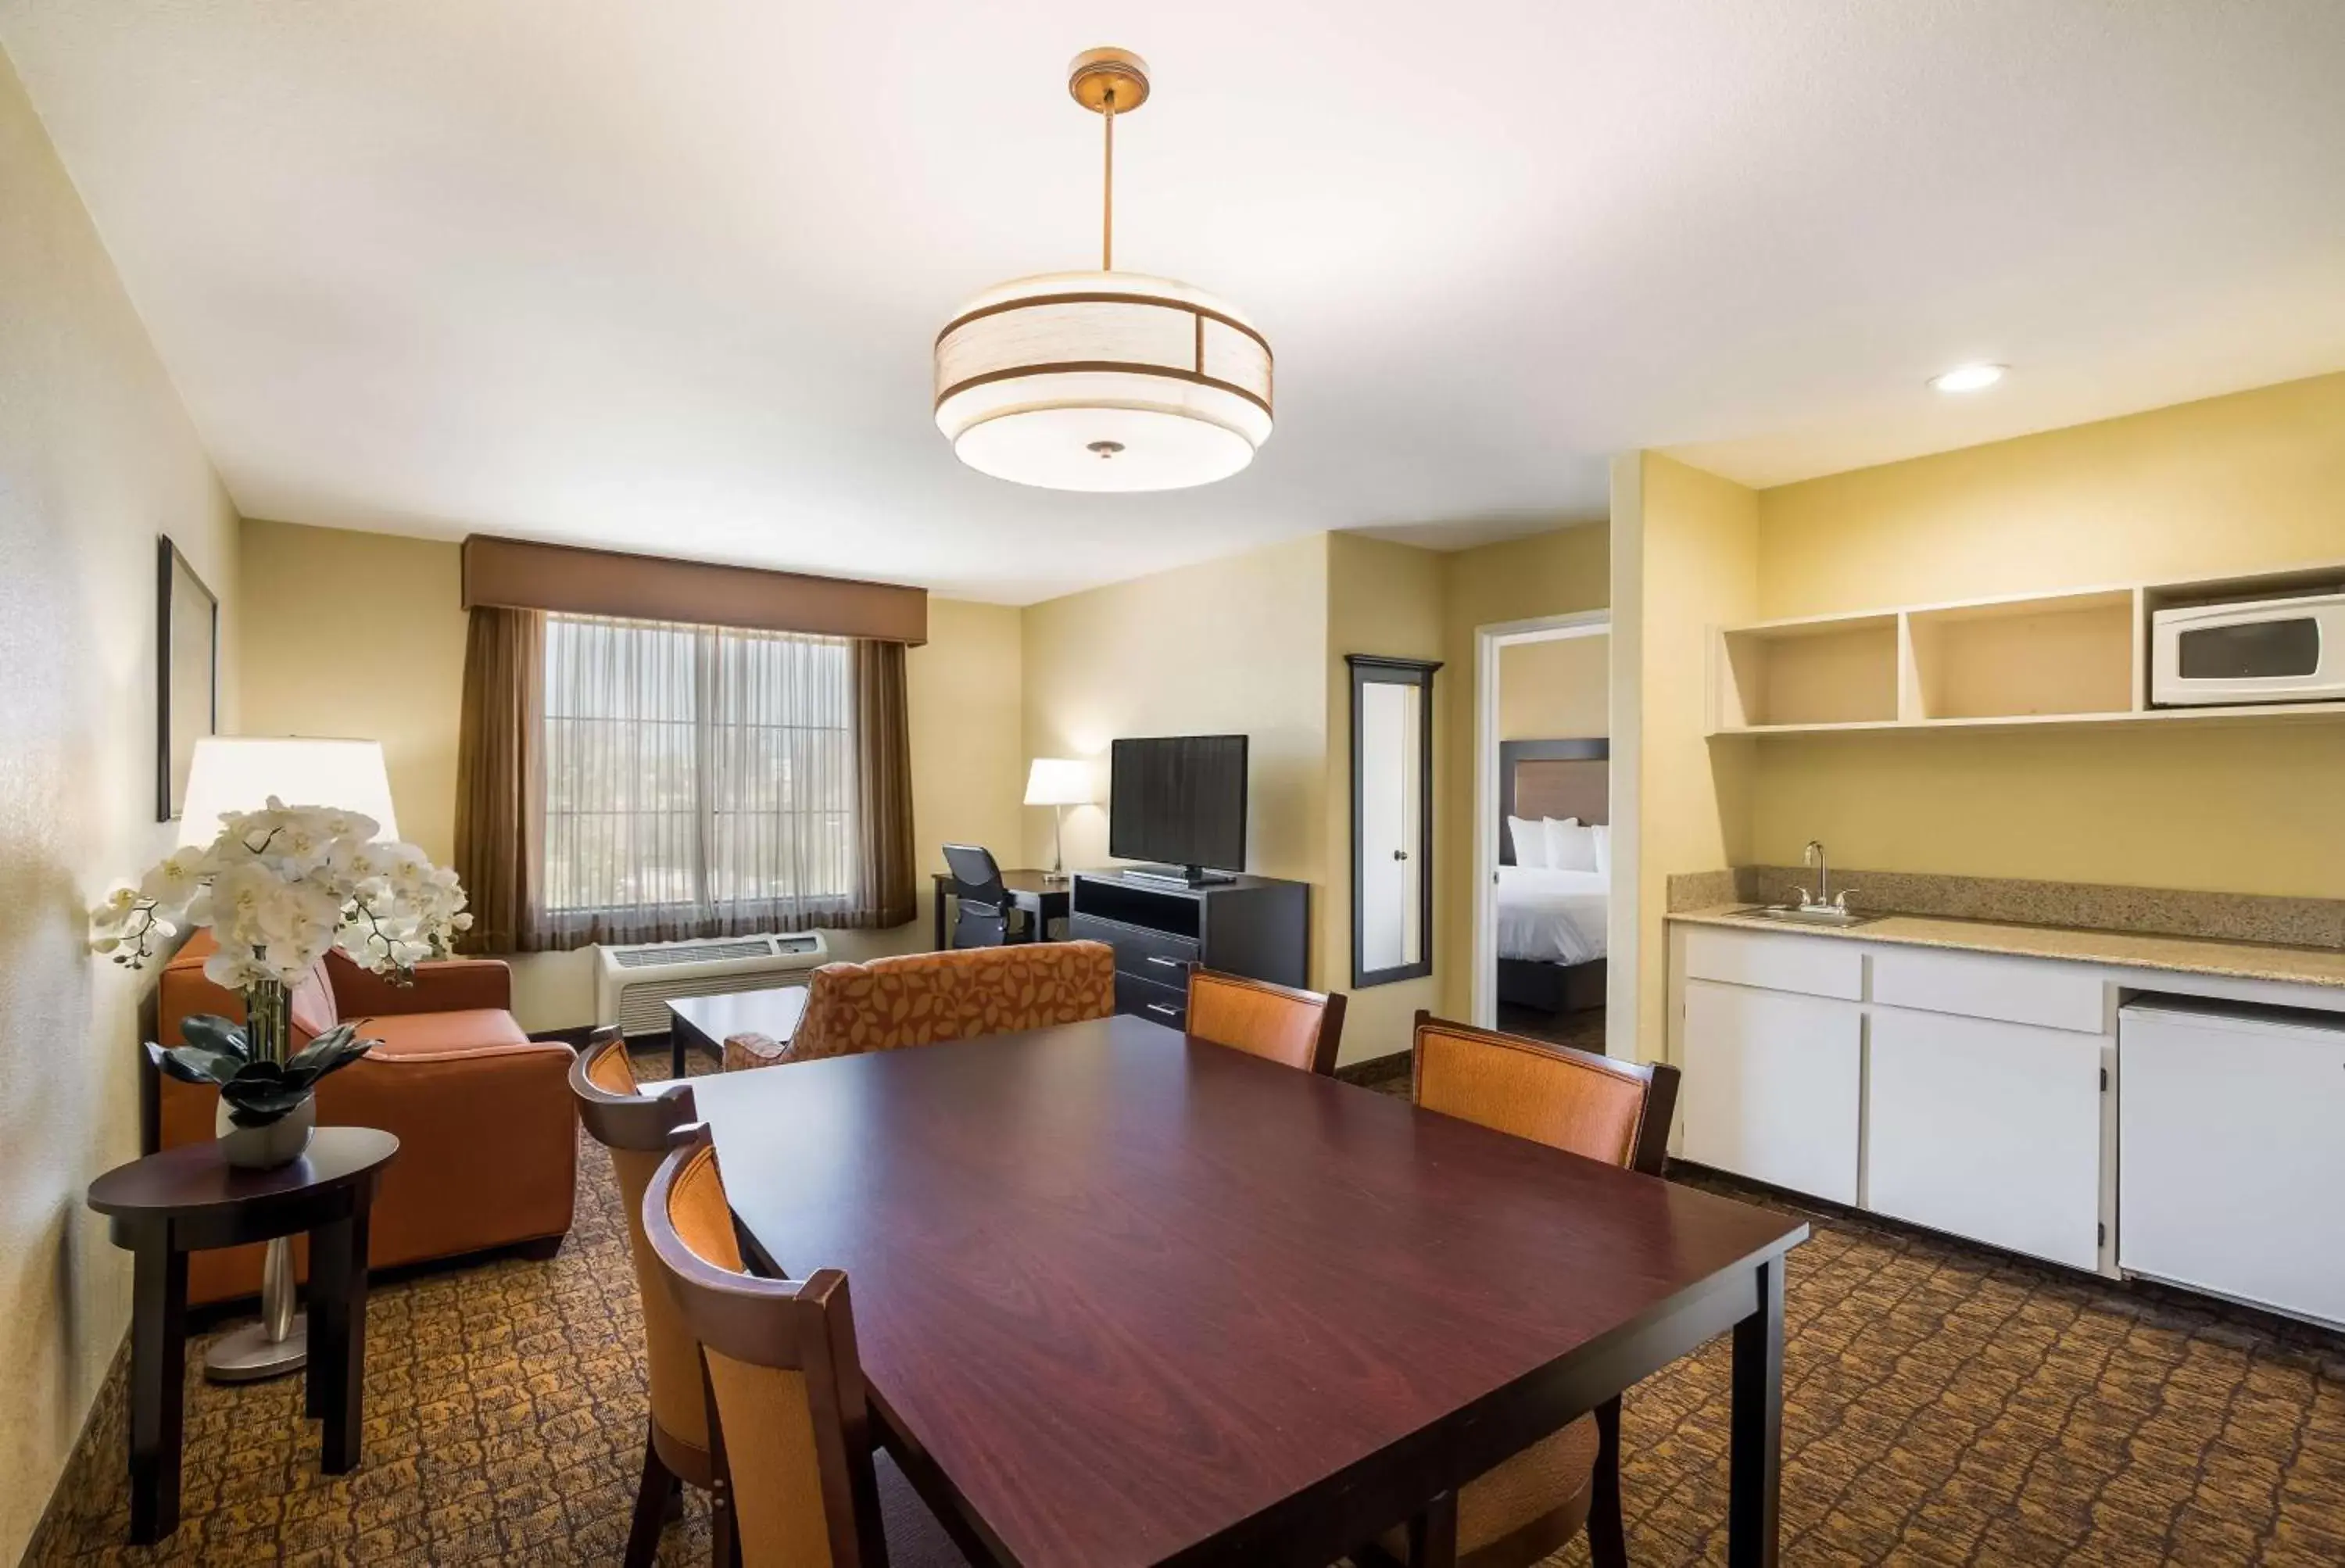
(1988, 985)
(1986, 1129)
(1771, 1087)
(1776, 960)
(2232, 1122)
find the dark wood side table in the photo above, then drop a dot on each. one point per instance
(184, 1199)
(1043, 900)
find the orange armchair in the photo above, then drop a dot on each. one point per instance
(487, 1129)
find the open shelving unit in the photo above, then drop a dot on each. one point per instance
(2074, 658)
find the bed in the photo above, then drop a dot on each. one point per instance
(1551, 924)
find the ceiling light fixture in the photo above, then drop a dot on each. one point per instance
(1105, 380)
(1968, 378)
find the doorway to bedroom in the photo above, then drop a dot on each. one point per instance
(1543, 866)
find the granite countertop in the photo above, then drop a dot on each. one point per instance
(2195, 955)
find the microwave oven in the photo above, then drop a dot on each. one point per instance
(2271, 650)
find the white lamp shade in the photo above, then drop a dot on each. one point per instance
(1059, 781)
(240, 772)
(1102, 381)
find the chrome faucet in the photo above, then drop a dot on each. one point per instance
(1813, 855)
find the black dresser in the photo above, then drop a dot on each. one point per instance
(1259, 927)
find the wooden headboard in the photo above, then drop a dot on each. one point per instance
(1552, 779)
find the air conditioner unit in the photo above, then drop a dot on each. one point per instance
(633, 983)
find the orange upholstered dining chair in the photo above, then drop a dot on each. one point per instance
(929, 998)
(790, 1423)
(633, 1129)
(1296, 1028)
(1616, 1112)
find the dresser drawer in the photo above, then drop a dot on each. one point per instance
(2044, 991)
(1776, 960)
(1146, 954)
(1165, 1005)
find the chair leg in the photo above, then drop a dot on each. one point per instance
(652, 1495)
(724, 1540)
(1608, 1544)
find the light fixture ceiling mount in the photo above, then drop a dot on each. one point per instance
(1968, 378)
(1103, 381)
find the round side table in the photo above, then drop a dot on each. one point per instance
(187, 1198)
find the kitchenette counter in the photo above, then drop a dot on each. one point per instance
(2192, 955)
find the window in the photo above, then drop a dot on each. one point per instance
(697, 780)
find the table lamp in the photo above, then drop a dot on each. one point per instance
(239, 773)
(1059, 782)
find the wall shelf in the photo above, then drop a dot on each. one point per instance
(2019, 662)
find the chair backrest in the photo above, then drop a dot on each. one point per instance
(633, 1129)
(1616, 1112)
(928, 998)
(977, 876)
(1299, 1028)
(792, 1430)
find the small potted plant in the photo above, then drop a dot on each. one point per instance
(267, 1107)
(279, 887)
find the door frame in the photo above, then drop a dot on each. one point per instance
(1488, 641)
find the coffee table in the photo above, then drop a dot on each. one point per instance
(183, 1200)
(705, 1021)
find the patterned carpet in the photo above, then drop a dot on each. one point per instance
(1943, 1405)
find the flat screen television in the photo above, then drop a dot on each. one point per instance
(1179, 800)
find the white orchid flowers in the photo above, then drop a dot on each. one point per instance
(280, 886)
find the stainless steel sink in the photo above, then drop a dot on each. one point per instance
(1813, 914)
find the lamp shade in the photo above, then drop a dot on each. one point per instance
(1059, 781)
(240, 772)
(1102, 381)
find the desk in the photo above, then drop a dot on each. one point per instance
(1125, 1298)
(1042, 899)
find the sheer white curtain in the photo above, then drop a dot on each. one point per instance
(698, 781)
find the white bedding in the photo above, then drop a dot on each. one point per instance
(1551, 917)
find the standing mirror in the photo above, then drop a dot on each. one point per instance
(1392, 818)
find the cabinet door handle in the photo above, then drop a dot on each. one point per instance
(1165, 1008)
(1167, 962)
(1400, 854)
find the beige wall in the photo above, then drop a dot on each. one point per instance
(968, 752)
(1555, 691)
(1689, 560)
(2234, 483)
(97, 458)
(963, 692)
(1233, 645)
(1554, 573)
(1381, 598)
(396, 673)
(1229, 646)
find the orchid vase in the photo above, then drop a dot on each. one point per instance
(277, 889)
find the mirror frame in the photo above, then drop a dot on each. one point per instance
(1377, 669)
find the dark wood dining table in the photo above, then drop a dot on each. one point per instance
(1125, 1297)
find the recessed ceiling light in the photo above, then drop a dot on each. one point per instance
(1968, 378)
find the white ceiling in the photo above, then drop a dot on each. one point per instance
(664, 276)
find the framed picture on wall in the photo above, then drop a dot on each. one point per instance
(186, 673)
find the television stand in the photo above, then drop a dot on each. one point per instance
(1181, 876)
(1162, 926)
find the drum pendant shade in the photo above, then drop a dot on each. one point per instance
(1103, 381)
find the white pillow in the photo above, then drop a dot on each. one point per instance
(1603, 849)
(1569, 846)
(1528, 835)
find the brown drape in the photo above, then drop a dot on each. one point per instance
(522, 574)
(883, 758)
(500, 780)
